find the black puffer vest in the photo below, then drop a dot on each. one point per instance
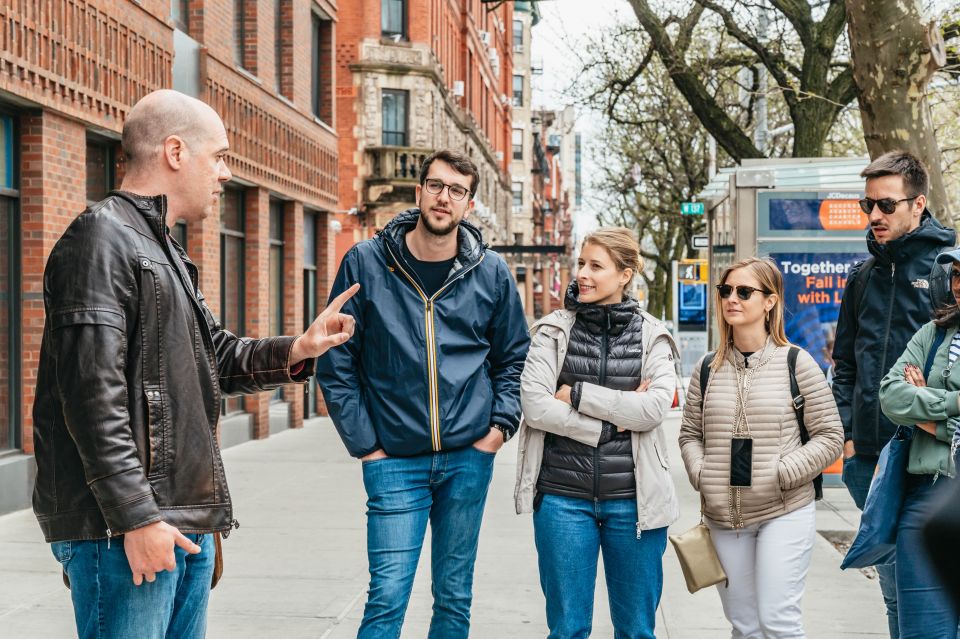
(605, 349)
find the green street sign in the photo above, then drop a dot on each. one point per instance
(691, 208)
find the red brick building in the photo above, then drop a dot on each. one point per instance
(69, 72)
(414, 76)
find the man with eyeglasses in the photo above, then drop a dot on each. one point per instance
(886, 300)
(427, 392)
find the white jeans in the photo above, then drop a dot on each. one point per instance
(766, 566)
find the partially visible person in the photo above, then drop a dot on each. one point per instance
(427, 392)
(925, 608)
(885, 302)
(130, 486)
(595, 389)
(742, 449)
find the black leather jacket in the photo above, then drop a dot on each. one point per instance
(605, 348)
(132, 369)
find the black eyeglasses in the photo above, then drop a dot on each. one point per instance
(743, 292)
(435, 187)
(886, 205)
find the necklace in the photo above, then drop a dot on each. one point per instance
(741, 428)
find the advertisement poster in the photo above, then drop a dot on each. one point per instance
(814, 211)
(813, 286)
(693, 306)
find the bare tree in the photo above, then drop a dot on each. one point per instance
(896, 53)
(656, 155)
(800, 48)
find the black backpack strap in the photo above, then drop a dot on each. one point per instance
(932, 353)
(860, 283)
(798, 403)
(705, 376)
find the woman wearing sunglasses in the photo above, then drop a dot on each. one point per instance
(742, 449)
(599, 378)
(924, 605)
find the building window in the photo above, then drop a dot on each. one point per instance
(322, 67)
(518, 90)
(245, 34)
(276, 275)
(309, 296)
(101, 169)
(394, 117)
(9, 291)
(393, 19)
(517, 195)
(279, 42)
(518, 144)
(232, 271)
(179, 233)
(518, 36)
(180, 14)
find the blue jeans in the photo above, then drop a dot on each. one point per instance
(857, 475)
(570, 533)
(926, 610)
(108, 605)
(447, 488)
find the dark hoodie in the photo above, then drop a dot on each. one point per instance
(605, 348)
(870, 339)
(425, 373)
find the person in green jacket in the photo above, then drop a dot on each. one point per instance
(933, 405)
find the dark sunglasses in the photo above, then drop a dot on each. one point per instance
(886, 205)
(743, 292)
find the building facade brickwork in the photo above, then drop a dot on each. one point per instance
(70, 70)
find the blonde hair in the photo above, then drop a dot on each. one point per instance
(622, 246)
(770, 279)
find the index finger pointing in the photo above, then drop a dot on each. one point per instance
(337, 303)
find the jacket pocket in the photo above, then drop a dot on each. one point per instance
(158, 432)
(661, 454)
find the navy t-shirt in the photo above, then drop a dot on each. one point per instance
(431, 274)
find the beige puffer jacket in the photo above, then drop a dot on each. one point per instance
(783, 470)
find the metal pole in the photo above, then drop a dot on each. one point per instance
(760, 134)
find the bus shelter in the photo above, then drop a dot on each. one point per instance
(802, 213)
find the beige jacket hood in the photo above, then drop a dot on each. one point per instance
(641, 413)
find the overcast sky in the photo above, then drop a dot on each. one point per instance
(564, 24)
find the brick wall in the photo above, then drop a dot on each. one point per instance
(91, 60)
(52, 194)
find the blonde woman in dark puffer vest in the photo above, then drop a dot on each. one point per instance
(742, 451)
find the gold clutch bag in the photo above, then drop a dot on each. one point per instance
(698, 558)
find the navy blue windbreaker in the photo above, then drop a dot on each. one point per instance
(425, 374)
(870, 339)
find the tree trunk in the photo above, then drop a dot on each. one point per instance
(894, 56)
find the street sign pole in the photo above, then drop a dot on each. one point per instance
(675, 296)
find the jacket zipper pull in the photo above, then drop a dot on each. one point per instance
(639, 531)
(109, 535)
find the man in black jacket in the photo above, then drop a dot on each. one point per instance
(130, 483)
(886, 299)
(426, 392)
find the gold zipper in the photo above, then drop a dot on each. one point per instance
(430, 333)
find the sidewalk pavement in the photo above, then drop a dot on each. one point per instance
(297, 565)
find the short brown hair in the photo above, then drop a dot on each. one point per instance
(458, 161)
(622, 245)
(906, 165)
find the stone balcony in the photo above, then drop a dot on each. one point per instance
(391, 176)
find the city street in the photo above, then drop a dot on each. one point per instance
(297, 566)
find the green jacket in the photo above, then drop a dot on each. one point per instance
(938, 402)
